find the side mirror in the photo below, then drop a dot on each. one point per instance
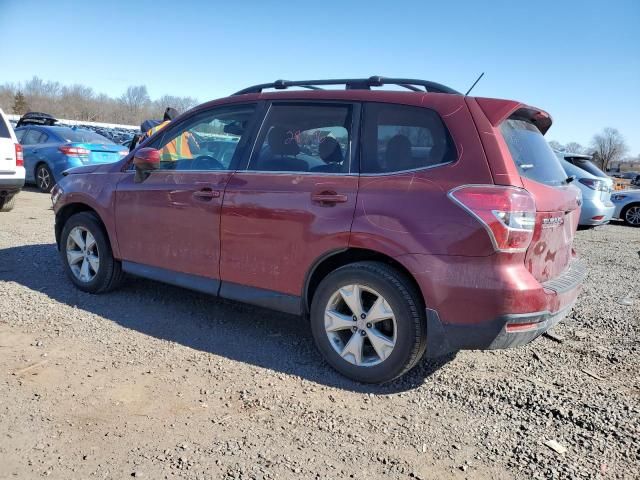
(145, 161)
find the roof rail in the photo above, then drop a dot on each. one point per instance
(354, 84)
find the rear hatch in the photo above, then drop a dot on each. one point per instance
(557, 201)
(7, 147)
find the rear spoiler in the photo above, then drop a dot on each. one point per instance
(498, 111)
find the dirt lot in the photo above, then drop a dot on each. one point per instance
(158, 382)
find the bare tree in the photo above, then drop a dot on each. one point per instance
(78, 102)
(557, 146)
(609, 146)
(182, 104)
(575, 147)
(135, 99)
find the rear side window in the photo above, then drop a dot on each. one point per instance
(304, 138)
(33, 137)
(531, 153)
(399, 137)
(4, 130)
(20, 134)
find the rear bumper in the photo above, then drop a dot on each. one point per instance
(507, 330)
(11, 183)
(596, 213)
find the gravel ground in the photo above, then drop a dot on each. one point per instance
(158, 382)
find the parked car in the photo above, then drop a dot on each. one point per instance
(50, 150)
(401, 230)
(596, 187)
(11, 165)
(627, 206)
(630, 175)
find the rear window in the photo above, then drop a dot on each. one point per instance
(80, 136)
(531, 152)
(587, 165)
(4, 130)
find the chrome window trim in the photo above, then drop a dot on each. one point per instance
(419, 169)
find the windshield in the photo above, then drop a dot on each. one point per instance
(77, 135)
(531, 152)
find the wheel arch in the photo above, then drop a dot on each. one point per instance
(66, 212)
(330, 261)
(623, 212)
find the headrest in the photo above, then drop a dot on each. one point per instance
(398, 151)
(330, 150)
(282, 142)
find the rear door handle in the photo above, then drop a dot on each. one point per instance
(206, 194)
(329, 198)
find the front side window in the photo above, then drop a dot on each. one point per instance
(304, 138)
(531, 153)
(399, 137)
(208, 141)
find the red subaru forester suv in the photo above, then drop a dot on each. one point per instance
(398, 222)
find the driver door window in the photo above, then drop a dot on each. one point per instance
(206, 142)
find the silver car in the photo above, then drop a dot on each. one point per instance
(627, 206)
(596, 187)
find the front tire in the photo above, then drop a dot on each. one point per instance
(368, 322)
(86, 254)
(44, 178)
(631, 215)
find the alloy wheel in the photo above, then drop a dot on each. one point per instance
(360, 325)
(82, 254)
(633, 215)
(44, 178)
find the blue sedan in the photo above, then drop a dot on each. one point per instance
(50, 150)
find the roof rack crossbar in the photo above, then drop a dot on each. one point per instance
(354, 84)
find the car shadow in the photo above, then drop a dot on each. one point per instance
(240, 332)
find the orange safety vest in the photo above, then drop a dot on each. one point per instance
(155, 129)
(176, 149)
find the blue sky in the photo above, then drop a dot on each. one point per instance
(579, 60)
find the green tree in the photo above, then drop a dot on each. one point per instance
(20, 106)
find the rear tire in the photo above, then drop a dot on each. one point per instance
(7, 203)
(631, 215)
(87, 256)
(386, 349)
(44, 178)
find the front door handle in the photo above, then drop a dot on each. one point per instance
(206, 194)
(329, 198)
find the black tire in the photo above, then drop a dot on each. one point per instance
(624, 212)
(109, 275)
(408, 308)
(42, 174)
(7, 203)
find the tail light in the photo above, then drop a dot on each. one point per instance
(507, 213)
(594, 184)
(19, 156)
(74, 151)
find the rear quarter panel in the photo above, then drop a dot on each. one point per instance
(410, 213)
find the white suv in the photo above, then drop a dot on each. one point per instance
(11, 165)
